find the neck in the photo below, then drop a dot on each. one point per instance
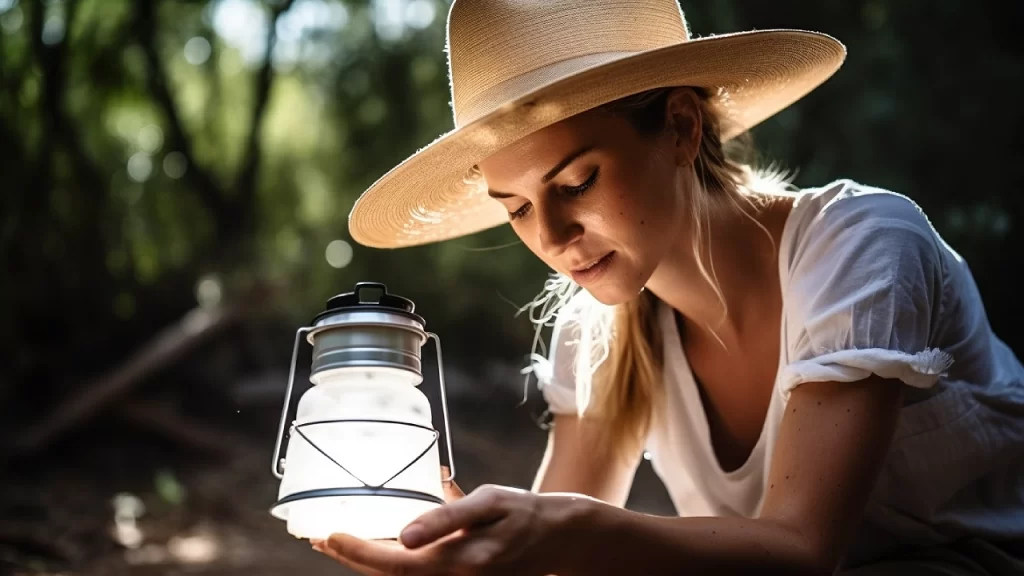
(739, 256)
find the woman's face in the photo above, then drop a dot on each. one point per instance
(595, 199)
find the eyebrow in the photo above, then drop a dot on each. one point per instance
(551, 173)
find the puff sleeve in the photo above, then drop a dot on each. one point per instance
(864, 294)
(579, 344)
(556, 378)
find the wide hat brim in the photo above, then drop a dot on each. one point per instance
(427, 198)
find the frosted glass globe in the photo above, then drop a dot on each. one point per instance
(354, 433)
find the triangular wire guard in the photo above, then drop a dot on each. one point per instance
(298, 429)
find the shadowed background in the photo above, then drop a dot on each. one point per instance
(176, 179)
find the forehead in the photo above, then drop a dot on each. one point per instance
(550, 145)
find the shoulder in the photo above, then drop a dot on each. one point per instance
(846, 207)
(865, 282)
(847, 222)
(861, 261)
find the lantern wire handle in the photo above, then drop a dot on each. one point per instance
(276, 464)
(444, 408)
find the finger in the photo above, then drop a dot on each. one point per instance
(480, 507)
(380, 556)
(478, 552)
(322, 548)
(452, 492)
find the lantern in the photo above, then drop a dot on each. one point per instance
(362, 455)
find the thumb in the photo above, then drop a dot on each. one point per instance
(452, 492)
(482, 507)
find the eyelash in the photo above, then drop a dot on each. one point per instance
(570, 190)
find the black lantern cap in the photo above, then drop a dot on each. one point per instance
(377, 299)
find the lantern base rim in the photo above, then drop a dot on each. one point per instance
(355, 491)
(321, 512)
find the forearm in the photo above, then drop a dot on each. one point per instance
(615, 541)
(572, 465)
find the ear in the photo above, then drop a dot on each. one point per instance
(685, 122)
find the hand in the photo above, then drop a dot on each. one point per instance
(494, 530)
(452, 492)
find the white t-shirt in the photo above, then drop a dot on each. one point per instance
(868, 287)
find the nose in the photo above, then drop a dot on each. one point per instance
(557, 230)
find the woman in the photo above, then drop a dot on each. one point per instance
(812, 372)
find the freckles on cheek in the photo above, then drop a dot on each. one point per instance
(631, 216)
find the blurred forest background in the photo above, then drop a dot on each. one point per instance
(176, 178)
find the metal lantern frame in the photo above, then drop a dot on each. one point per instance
(365, 315)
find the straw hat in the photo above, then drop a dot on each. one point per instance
(517, 66)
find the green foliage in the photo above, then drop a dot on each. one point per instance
(148, 145)
(168, 488)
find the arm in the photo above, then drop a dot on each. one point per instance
(832, 442)
(569, 466)
(570, 463)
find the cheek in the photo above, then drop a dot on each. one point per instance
(644, 213)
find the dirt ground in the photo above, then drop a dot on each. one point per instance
(212, 520)
(220, 527)
(116, 498)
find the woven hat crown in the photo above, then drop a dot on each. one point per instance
(499, 50)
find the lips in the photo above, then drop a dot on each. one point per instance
(587, 266)
(592, 270)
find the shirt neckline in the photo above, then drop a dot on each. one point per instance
(691, 396)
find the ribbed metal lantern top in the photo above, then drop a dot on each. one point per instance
(368, 327)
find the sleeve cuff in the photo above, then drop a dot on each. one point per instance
(919, 370)
(560, 399)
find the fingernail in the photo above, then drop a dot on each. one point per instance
(412, 535)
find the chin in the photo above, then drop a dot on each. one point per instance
(615, 293)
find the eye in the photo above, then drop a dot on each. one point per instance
(523, 211)
(580, 189)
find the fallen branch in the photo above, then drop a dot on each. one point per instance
(165, 348)
(35, 539)
(166, 421)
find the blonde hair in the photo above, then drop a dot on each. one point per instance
(618, 363)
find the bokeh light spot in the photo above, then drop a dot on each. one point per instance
(150, 138)
(175, 165)
(419, 14)
(208, 292)
(11, 20)
(197, 50)
(140, 166)
(53, 30)
(372, 110)
(339, 254)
